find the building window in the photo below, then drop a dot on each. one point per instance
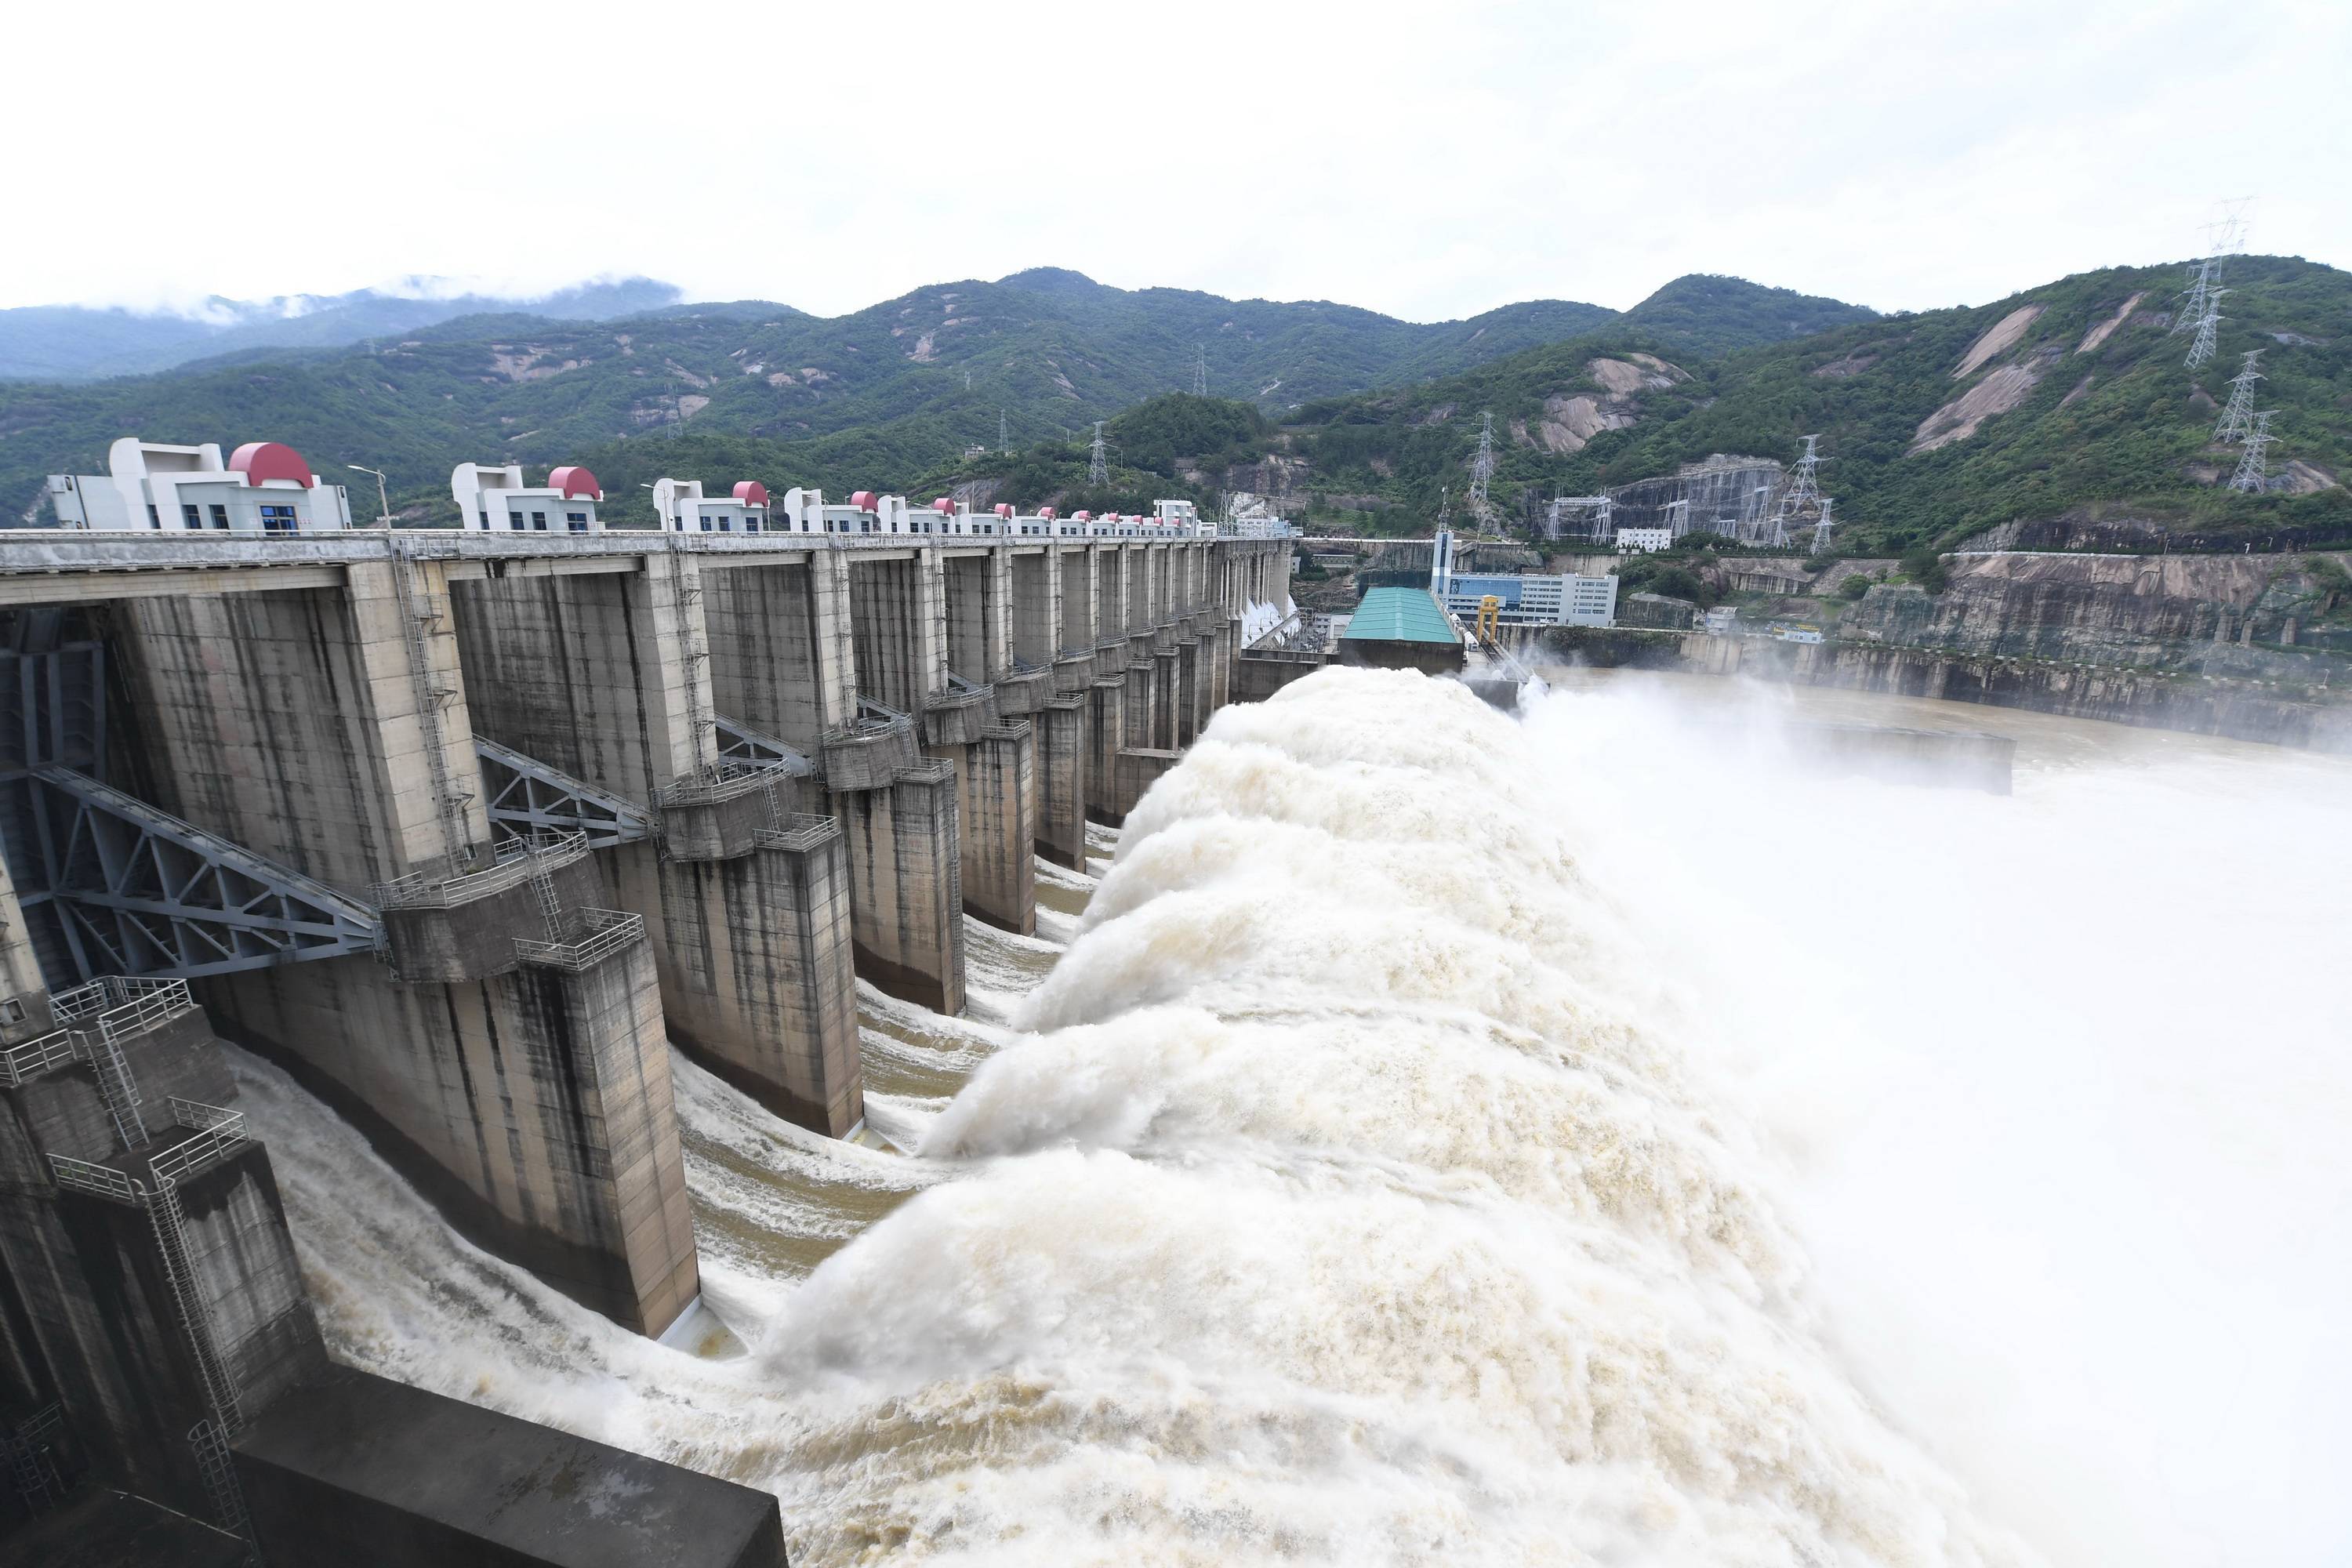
(278, 519)
(220, 517)
(514, 522)
(706, 523)
(576, 520)
(155, 519)
(486, 517)
(750, 525)
(191, 515)
(539, 522)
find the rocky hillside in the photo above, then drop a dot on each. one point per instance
(876, 397)
(2068, 403)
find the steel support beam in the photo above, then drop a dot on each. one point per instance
(138, 891)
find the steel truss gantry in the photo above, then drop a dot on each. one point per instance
(525, 795)
(139, 891)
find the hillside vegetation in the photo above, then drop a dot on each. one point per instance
(872, 399)
(2057, 401)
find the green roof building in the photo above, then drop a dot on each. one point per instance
(1402, 629)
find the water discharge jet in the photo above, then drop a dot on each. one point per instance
(1461, 1138)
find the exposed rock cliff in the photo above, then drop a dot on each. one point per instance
(2161, 611)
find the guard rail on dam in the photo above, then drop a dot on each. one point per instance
(460, 829)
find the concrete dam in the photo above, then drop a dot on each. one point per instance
(463, 831)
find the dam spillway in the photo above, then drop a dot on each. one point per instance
(1371, 1036)
(465, 831)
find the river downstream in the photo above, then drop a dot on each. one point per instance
(1433, 1136)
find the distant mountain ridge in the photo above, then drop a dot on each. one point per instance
(80, 342)
(889, 393)
(2068, 402)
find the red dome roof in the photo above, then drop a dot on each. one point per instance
(574, 483)
(751, 492)
(261, 461)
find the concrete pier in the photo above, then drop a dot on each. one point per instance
(1061, 754)
(473, 827)
(906, 876)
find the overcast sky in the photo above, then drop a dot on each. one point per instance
(1429, 161)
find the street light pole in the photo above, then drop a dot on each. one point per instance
(382, 500)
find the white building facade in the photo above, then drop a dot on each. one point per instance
(496, 500)
(263, 488)
(683, 508)
(1566, 600)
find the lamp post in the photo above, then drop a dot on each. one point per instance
(382, 500)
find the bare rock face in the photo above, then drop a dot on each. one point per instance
(1999, 339)
(1622, 380)
(1851, 364)
(2302, 478)
(1569, 422)
(2107, 329)
(1958, 420)
(2166, 612)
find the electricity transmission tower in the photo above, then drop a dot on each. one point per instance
(2208, 329)
(1199, 370)
(2228, 232)
(1822, 526)
(1004, 433)
(1482, 469)
(2238, 418)
(1803, 491)
(1097, 459)
(2253, 473)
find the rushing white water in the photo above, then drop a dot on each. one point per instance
(1455, 1139)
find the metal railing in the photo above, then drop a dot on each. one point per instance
(99, 1180)
(104, 1013)
(517, 863)
(797, 831)
(722, 780)
(20, 1064)
(608, 932)
(149, 1004)
(219, 1134)
(875, 718)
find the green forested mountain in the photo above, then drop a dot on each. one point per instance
(2071, 398)
(874, 398)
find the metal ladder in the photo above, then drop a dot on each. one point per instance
(431, 700)
(170, 1223)
(686, 600)
(219, 1472)
(543, 883)
(119, 1090)
(30, 1468)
